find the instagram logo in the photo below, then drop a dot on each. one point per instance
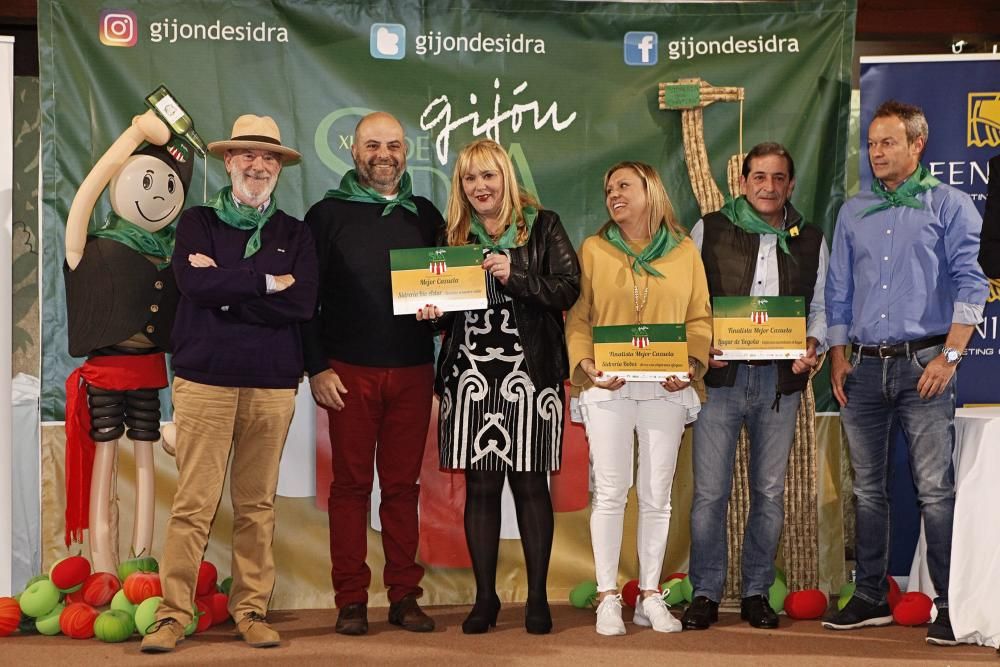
(118, 27)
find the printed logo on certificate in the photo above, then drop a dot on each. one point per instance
(451, 278)
(642, 352)
(759, 327)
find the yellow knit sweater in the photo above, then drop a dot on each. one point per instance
(607, 298)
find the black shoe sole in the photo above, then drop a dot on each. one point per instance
(351, 632)
(413, 628)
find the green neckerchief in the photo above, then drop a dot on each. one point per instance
(242, 216)
(508, 239)
(905, 195)
(351, 190)
(661, 244)
(742, 214)
(156, 244)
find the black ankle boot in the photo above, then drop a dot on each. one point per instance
(537, 617)
(482, 617)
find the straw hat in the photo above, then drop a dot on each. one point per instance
(255, 133)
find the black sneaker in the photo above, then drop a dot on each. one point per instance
(858, 614)
(939, 633)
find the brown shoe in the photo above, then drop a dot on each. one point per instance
(353, 619)
(255, 631)
(162, 636)
(408, 615)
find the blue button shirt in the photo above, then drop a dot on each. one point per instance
(903, 273)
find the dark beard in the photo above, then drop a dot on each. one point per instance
(366, 174)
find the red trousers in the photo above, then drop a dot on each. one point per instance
(383, 426)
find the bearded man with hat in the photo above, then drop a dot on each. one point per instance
(247, 276)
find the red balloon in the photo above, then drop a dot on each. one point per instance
(75, 596)
(805, 604)
(69, 572)
(10, 616)
(912, 609)
(219, 604)
(142, 585)
(205, 620)
(894, 593)
(630, 592)
(99, 588)
(207, 576)
(77, 620)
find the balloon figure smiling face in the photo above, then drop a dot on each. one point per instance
(147, 192)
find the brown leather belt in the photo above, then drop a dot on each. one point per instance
(904, 349)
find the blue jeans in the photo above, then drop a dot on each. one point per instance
(716, 433)
(879, 392)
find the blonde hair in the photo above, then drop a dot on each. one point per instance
(485, 154)
(661, 211)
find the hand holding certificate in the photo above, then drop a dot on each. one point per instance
(759, 327)
(451, 278)
(642, 352)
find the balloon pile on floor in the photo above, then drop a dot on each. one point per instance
(74, 601)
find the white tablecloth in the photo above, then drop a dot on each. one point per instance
(974, 588)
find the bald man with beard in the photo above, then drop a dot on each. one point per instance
(372, 371)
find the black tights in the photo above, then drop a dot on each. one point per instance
(533, 505)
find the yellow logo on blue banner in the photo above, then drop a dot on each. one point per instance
(984, 120)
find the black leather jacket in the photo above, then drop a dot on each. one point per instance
(544, 281)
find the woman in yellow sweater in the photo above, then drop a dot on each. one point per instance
(640, 268)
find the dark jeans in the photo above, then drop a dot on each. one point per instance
(879, 392)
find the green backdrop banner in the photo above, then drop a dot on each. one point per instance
(568, 87)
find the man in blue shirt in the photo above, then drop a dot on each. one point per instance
(903, 295)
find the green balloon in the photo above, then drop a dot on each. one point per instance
(39, 598)
(776, 595)
(582, 596)
(227, 584)
(49, 624)
(113, 626)
(193, 625)
(779, 574)
(687, 590)
(120, 602)
(145, 613)
(845, 594)
(672, 593)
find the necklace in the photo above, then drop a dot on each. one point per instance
(640, 304)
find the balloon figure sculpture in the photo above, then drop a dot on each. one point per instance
(121, 298)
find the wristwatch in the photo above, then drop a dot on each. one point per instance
(951, 355)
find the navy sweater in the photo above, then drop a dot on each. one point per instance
(255, 342)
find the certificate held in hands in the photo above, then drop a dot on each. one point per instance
(451, 278)
(759, 327)
(642, 352)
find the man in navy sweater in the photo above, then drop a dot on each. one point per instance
(247, 276)
(372, 371)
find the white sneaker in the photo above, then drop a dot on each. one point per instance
(653, 612)
(609, 616)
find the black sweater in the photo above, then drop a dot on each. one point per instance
(354, 321)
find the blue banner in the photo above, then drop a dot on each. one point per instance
(960, 96)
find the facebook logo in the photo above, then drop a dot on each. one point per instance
(640, 48)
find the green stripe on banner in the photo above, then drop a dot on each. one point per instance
(420, 258)
(657, 333)
(774, 306)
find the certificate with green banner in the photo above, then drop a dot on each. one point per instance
(642, 352)
(759, 327)
(451, 278)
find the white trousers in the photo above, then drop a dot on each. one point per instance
(659, 426)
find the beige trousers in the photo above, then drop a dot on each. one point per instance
(213, 422)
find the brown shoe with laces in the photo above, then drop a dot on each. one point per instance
(408, 615)
(255, 631)
(162, 636)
